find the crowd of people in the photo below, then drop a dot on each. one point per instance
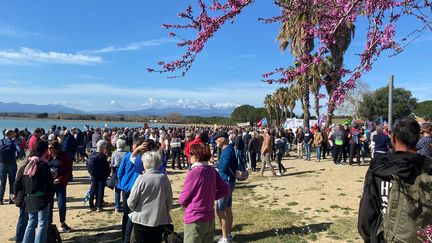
(133, 162)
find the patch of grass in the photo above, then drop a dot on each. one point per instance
(292, 203)
(307, 209)
(286, 195)
(312, 189)
(322, 199)
(339, 189)
(334, 206)
(312, 237)
(322, 210)
(347, 208)
(342, 194)
(342, 228)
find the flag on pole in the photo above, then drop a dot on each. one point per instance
(379, 120)
(262, 122)
(321, 119)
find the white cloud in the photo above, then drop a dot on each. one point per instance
(98, 96)
(31, 56)
(11, 31)
(130, 47)
(183, 103)
(87, 76)
(116, 105)
(225, 105)
(13, 82)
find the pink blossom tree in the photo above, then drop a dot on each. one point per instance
(330, 23)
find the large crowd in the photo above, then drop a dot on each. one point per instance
(133, 162)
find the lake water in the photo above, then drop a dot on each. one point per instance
(46, 124)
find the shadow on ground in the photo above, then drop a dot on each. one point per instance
(294, 230)
(80, 180)
(102, 234)
(300, 173)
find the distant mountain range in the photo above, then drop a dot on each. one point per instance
(31, 108)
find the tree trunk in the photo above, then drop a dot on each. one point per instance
(317, 112)
(306, 103)
(277, 116)
(269, 111)
(332, 85)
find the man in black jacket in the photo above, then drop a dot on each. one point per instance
(404, 162)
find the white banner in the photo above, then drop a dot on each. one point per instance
(294, 123)
(244, 124)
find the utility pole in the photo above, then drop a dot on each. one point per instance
(390, 102)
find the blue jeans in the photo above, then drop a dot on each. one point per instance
(117, 195)
(97, 190)
(7, 170)
(60, 192)
(39, 219)
(240, 156)
(318, 151)
(308, 151)
(127, 224)
(21, 225)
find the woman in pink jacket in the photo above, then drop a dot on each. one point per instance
(197, 197)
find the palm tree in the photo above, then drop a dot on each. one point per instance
(281, 99)
(277, 109)
(316, 72)
(292, 100)
(343, 37)
(301, 43)
(268, 104)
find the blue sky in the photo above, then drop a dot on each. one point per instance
(93, 55)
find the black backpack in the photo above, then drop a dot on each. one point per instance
(7, 152)
(53, 235)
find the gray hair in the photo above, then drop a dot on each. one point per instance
(151, 160)
(120, 143)
(101, 144)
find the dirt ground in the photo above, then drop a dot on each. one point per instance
(322, 193)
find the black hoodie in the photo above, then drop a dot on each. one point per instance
(407, 166)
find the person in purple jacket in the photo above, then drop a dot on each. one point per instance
(197, 197)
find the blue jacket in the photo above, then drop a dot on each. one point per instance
(227, 164)
(139, 166)
(69, 144)
(126, 173)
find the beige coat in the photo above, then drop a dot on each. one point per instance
(318, 139)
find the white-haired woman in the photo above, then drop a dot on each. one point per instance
(150, 200)
(99, 169)
(116, 158)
